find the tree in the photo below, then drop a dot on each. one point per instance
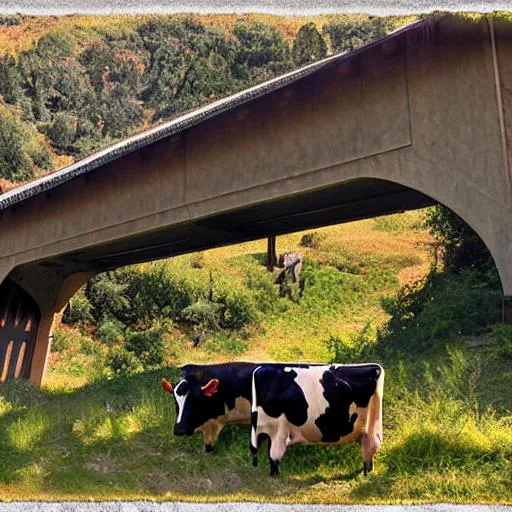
(462, 248)
(262, 51)
(10, 87)
(15, 163)
(309, 45)
(190, 66)
(62, 131)
(346, 33)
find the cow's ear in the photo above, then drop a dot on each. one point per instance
(210, 387)
(167, 386)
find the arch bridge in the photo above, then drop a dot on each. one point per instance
(419, 117)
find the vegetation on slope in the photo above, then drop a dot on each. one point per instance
(102, 428)
(102, 432)
(73, 84)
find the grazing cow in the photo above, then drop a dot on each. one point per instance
(213, 395)
(321, 404)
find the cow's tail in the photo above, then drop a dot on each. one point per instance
(254, 420)
(372, 439)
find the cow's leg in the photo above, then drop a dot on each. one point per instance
(255, 449)
(211, 430)
(370, 443)
(277, 448)
(372, 439)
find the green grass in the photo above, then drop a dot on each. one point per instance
(447, 403)
(114, 439)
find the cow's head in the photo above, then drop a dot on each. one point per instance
(195, 404)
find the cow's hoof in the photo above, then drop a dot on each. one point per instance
(255, 462)
(274, 467)
(208, 448)
(368, 467)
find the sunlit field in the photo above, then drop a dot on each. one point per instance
(93, 434)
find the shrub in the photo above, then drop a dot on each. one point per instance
(122, 362)
(158, 291)
(239, 309)
(110, 331)
(106, 294)
(15, 164)
(197, 260)
(11, 20)
(62, 131)
(441, 306)
(78, 309)
(205, 314)
(39, 154)
(462, 247)
(345, 33)
(264, 293)
(90, 347)
(311, 240)
(147, 346)
(10, 87)
(501, 335)
(63, 339)
(354, 348)
(260, 47)
(309, 45)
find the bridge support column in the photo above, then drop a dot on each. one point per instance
(51, 292)
(507, 309)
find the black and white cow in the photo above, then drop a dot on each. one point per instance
(211, 396)
(320, 404)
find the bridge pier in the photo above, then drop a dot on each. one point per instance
(507, 309)
(51, 292)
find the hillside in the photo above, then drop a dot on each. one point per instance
(71, 85)
(103, 430)
(417, 292)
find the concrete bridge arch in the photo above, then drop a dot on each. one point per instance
(421, 116)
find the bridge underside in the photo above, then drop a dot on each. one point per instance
(350, 201)
(421, 117)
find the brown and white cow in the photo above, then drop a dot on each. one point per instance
(320, 404)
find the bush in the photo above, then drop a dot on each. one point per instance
(355, 348)
(78, 309)
(264, 292)
(110, 331)
(39, 154)
(442, 306)
(158, 291)
(90, 347)
(122, 362)
(11, 20)
(10, 87)
(461, 247)
(15, 164)
(260, 47)
(309, 45)
(347, 34)
(147, 346)
(239, 310)
(106, 294)
(62, 131)
(205, 314)
(501, 335)
(197, 260)
(63, 339)
(311, 240)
